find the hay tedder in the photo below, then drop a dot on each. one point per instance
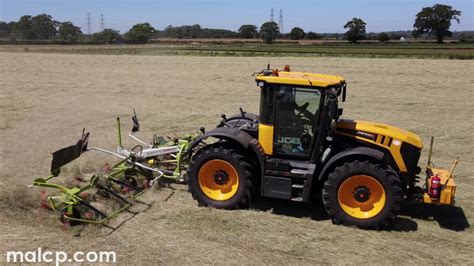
(298, 148)
(136, 172)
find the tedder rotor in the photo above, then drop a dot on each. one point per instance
(136, 172)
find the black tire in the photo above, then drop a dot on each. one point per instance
(385, 176)
(242, 196)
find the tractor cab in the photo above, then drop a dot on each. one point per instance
(296, 110)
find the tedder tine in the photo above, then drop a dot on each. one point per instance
(120, 182)
(145, 203)
(116, 195)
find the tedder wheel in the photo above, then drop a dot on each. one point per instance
(363, 194)
(220, 177)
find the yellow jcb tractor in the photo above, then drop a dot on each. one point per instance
(298, 147)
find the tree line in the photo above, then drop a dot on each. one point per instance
(44, 27)
(430, 21)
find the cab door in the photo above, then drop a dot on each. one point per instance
(296, 120)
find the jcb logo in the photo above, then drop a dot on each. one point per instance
(288, 140)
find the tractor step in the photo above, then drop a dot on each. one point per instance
(300, 186)
(283, 187)
(289, 168)
(298, 199)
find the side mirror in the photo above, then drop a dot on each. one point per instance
(344, 92)
(332, 109)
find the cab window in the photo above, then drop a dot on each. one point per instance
(296, 120)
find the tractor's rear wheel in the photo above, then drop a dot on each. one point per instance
(221, 177)
(363, 194)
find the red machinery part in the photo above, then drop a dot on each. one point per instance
(435, 186)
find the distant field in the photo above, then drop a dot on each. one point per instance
(366, 50)
(46, 99)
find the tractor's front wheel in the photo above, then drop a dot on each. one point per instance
(363, 194)
(220, 177)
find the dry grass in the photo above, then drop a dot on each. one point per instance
(282, 49)
(46, 100)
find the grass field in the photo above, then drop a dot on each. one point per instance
(47, 98)
(366, 50)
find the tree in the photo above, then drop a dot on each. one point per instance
(192, 31)
(11, 24)
(383, 37)
(68, 31)
(5, 29)
(248, 31)
(356, 30)
(466, 38)
(269, 31)
(44, 26)
(297, 33)
(24, 28)
(106, 36)
(435, 20)
(187, 31)
(217, 33)
(140, 33)
(312, 36)
(38, 27)
(195, 31)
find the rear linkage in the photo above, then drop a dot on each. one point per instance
(439, 187)
(137, 171)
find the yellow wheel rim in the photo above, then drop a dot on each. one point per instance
(361, 196)
(218, 180)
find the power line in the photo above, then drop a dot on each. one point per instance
(272, 17)
(101, 22)
(88, 23)
(280, 22)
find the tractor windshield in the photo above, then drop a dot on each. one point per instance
(296, 120)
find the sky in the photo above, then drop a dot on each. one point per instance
(317, 16)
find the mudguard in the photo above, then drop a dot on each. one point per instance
(359, 151)
(235, 135)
